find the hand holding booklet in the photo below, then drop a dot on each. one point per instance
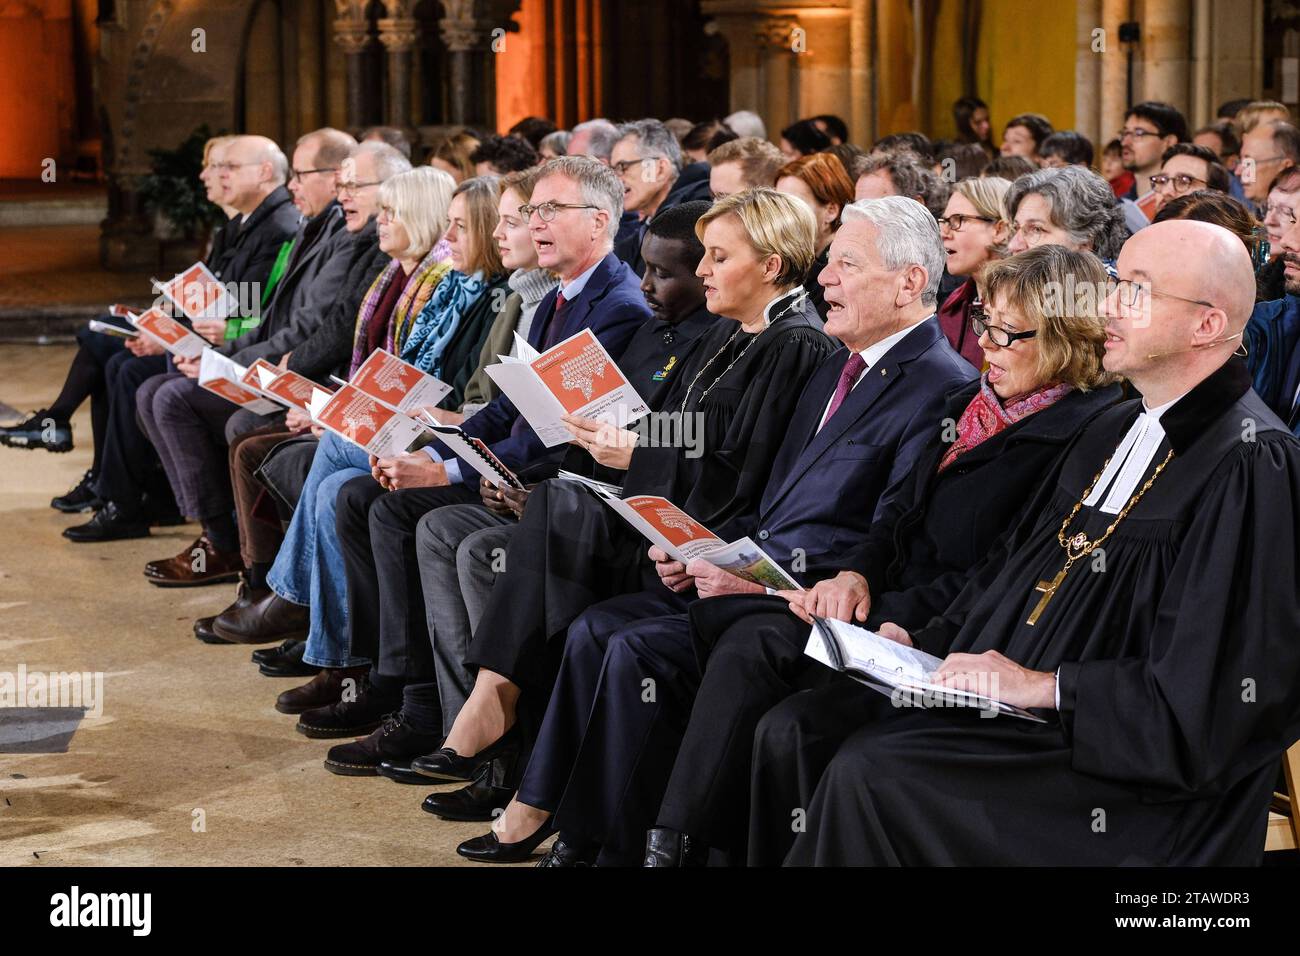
(678, 534)
(473, 450)
(575, 377)
(170, 334)
(896, 670)
(225, 377)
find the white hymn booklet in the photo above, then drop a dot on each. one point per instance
(900, 672)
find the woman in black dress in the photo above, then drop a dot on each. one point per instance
(726, 414)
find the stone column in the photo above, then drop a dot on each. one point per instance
(1166, 70)
(744, 57)
(473, 31)
(1087, 72)
(1114, 75)
(779, 38)
(352, 34)
(398, 33)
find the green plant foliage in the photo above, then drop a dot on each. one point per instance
(173, 188)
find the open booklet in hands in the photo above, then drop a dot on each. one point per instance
(575, 377)
(900, 672)
(682, 537)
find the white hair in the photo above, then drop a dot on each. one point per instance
(906, 235)
(747, 123)
(599, 184)
(602, 135)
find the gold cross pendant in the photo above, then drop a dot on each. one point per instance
(1048, 588)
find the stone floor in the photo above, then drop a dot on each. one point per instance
(185, 726)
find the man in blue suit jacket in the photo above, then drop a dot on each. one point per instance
(1272, 339)
(574, 214)
(857, 429)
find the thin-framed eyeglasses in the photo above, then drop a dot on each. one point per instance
(624, 165)
(547, 211)
(1132, 293)
(351, 189)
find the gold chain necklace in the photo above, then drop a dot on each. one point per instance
(726, 345)
(1078, 546)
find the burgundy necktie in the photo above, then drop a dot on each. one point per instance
(853, 367)
(555, 327)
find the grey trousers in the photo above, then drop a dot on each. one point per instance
(461, 550)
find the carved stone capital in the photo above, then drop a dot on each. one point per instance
(352, 37)
(398, 36)
(777, 32)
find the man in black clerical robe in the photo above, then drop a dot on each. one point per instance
(1164, 658)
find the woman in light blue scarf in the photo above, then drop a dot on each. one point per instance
(475, 264)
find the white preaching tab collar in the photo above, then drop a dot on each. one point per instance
(1131, 460)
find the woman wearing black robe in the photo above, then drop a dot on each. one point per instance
(728, 411)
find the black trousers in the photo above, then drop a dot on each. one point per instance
(568, 552)
(376, 530)
(129, 466)
(100, 348)
(753, 648)
(614, 721)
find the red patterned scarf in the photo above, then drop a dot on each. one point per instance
(986, 415)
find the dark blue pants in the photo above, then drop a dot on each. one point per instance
(615, 719)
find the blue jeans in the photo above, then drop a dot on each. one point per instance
(309, 568)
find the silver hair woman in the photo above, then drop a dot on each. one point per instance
(1071, 207)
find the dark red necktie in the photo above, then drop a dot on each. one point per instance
(853, 367)
(555, 327)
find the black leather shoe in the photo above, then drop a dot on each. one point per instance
(264, 654)
(204, 632)
(288, 664)
(446, 764)
(481, 802)
(488, 849)
(665, 847)
(110, 523)
(39, 431)
(351, 718)
(566, 854)
(79, 499)
(394, 741)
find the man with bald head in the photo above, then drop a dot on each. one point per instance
(1145, 609)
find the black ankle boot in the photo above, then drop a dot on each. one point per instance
(665, 847)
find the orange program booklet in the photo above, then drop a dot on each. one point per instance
(398, 384)
(288, 388)
(199, 294)
(365, 421)
(575, 377)
(223, 376)
(170, 334)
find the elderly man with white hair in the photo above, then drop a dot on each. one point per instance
(1145, 609)
(605, 748)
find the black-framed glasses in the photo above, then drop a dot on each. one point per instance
(955, 222)
(1136, 133)
(547, 211)
(997, 335)
(1182, 182)
(351, 189)
(297, 174)
(1132, 294)
(623, 166)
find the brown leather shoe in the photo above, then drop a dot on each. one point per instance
(322, 690)
(197, 565)
(243, 598)
(262, 622)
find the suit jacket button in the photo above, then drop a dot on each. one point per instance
(764, 535)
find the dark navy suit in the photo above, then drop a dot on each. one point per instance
(609, 738)
(612, 306)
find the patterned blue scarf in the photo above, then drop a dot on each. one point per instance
(438, 320)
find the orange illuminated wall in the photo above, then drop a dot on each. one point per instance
(37, 100)
(553, 66)
(521, 68)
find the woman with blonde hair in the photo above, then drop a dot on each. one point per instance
(975, 233)
(737, 393)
